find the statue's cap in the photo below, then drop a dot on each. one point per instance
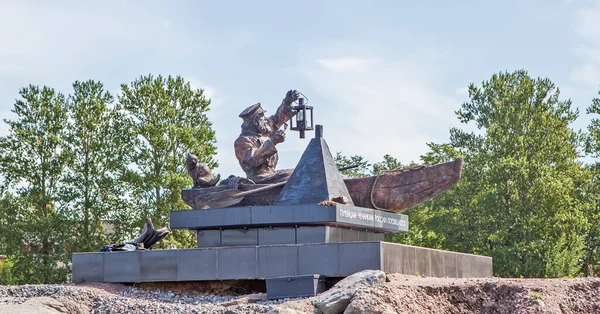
(252, 110)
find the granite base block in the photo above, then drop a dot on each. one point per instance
(269, 261)
(289, 215)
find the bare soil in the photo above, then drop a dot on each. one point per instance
(401, 294)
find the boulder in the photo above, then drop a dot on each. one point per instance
(336, 299)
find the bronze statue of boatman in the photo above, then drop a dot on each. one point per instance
(255, 148)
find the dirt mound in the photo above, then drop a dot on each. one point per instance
(410, 294)
(401, 294)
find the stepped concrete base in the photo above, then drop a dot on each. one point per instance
(284, 235)
(262, 262)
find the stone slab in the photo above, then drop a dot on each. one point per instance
(268, 261)
(289, 215)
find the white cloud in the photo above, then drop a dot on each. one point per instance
(347, 64)
(209, 91)
(462, 91)
(587, 27)
(66, 38)
(393, 108)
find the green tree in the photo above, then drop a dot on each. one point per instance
(388, 163)
(344, 161)
(168, 118)
(521, 199)
(98, 153)
(32, 162)
(592, 242)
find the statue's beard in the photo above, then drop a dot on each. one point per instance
(262, 127)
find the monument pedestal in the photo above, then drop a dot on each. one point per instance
(270, 261)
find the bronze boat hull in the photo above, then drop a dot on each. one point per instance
(394, 191)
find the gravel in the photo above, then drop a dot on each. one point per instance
(138, 300)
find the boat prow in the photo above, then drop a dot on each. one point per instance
(399, 190)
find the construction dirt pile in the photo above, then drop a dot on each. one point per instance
(369, 292)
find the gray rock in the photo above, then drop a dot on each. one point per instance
(336, 299)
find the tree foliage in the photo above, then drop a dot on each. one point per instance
(32, 160)
(524, 183)
(167, 118)
(592, 241)
(98, 152)
(344, 161)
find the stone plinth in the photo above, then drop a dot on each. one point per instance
(289, 215)
(261, 262)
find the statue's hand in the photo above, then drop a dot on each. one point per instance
(292, 96)
(278, 137)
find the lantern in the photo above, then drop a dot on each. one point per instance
(303, 118)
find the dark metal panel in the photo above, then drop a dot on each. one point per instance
(318, 259)
(355, 257)
(237, 263)
(283, 235)
(198, 264)
(160, 265)
(295, 286)
(272, 215)
(333, 234)
(313, 213)
(209, 238)
(239, 237)
(87, 267)
(121, 266)
(316, 234)
(349, 235)
(275, 261)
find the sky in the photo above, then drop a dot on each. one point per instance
(384, 77)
